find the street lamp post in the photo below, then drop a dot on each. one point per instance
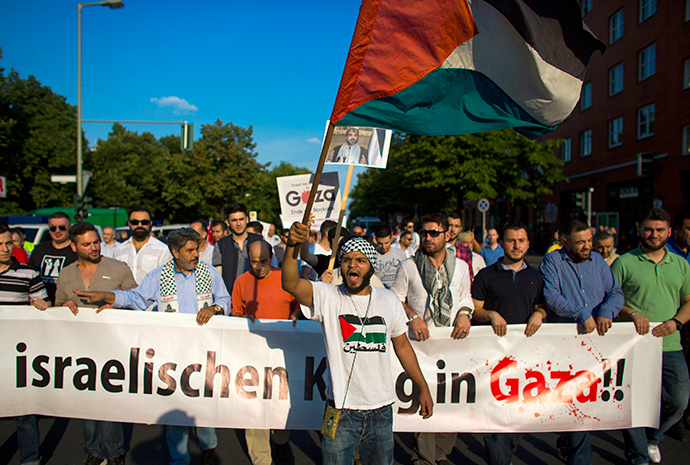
(111, 4)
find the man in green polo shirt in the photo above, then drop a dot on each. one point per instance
(656, 285)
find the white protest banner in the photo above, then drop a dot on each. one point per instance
(360, 146)
(294, 192)
(148, 367)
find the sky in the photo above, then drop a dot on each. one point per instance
(275, 66)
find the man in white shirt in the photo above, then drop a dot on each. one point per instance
(109, 243)
(434, 288)
(205, 249)
(142, 252)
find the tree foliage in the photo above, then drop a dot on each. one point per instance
(38, 131)
(439, 173)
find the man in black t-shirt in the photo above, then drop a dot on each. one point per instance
(508, 292)
(49, 258)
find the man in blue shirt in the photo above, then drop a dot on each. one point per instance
(185, 285)
(679, 244)
(580, 288)
(492, 251)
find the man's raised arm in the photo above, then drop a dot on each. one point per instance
(301, 289)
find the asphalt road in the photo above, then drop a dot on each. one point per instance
(62, 443)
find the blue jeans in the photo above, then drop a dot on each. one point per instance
(103, 439)
(500, 447)
(372, 430)
(576, 446)
(675, 390)
(177, 437)
(28, 439)
(635, 446)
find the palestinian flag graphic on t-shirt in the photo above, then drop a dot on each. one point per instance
(365, 335)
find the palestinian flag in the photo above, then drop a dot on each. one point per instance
(442, 67)
(373, 330)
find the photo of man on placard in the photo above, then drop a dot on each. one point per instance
(359, 146)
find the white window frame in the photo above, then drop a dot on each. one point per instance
(617, 25)
(616, 132)
(686, 140)
(586, 96)
(645, 128)
(618, 78)
(647, 9)
(586, 143)
(566, 150)
(646, 62)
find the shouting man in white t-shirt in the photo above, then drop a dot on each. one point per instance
(359, 324)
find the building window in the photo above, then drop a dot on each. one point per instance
(686, 70)
(686, 139)
(647, 62)
(586, 143)
(645, 121)
(586, 96)
(586, 6)
(647, 9)
(616, 132)
(687, 10)
(616, 26)
(616, 79)
(565, 151)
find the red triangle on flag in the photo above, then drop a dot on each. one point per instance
(346, 328)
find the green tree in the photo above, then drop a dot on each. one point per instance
(264, 196)
(38, 131)
(439, 173)
(130, 169)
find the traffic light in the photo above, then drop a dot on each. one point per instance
(81, 207)
(187, 141)
(645, 164)
(580, 201)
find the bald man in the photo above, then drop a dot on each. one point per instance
(258, 293)
(109, 243)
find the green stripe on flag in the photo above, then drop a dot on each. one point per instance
(447, 102)
(376, 338)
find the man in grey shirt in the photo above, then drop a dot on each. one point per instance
(389, 258)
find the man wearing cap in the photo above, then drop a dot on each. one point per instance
(359, 324)
(434, 287)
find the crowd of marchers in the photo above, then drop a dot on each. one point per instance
(370, 293)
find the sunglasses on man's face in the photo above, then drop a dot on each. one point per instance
(139, 222)
(54, 228)
(430, 232)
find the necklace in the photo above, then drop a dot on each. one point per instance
(363, 331)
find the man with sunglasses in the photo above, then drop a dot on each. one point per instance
(434, 287)
(50, 257)
(142, 252)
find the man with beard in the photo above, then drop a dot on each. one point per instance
(506, 293)
(350, 152)
(654, 282)
(49, 258)
(434, 287)
(359, 324)
(230, 255)
(461, 250)
(580, 288)
(603, 244)
(492, 251)
(142, 252)
(103, 440)
(182, 285)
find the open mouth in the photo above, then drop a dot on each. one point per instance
(352, 277)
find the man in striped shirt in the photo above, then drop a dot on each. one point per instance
(21, 285)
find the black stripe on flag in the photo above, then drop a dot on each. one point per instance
(354, 320)
(554, 29)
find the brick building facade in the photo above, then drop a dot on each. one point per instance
(635, 99)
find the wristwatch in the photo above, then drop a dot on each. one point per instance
(219, 310)
(679, 325)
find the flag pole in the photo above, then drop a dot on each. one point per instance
(317, 179)
(346, 191)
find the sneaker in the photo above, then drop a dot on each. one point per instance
(208, 457)
(117, 460)
(654, 453)
(91, 460)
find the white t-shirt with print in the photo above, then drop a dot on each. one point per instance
(350, 334)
